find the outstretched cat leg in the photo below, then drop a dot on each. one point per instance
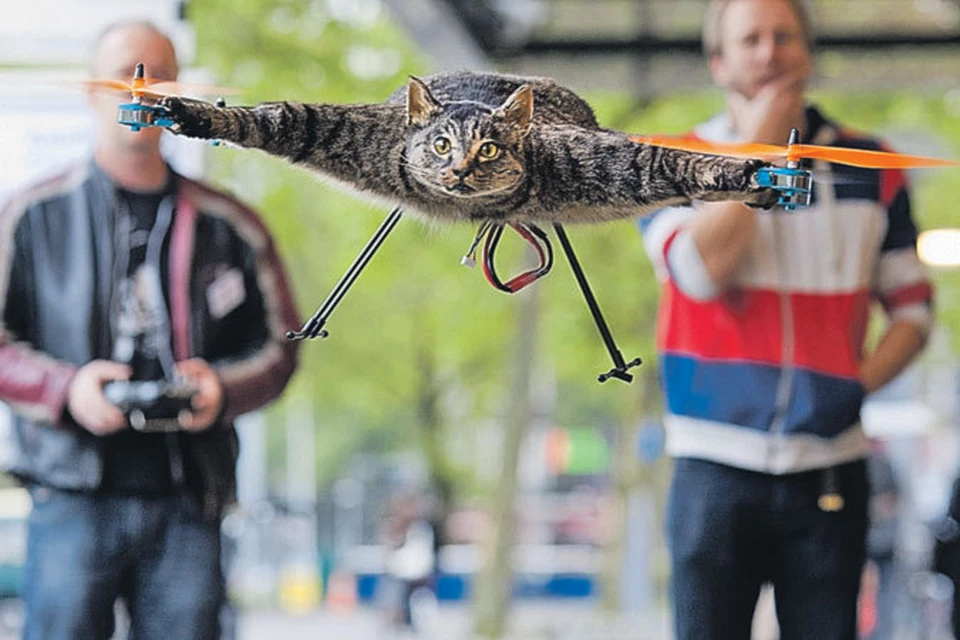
(592, 176)
(705, 177)
(360, 145)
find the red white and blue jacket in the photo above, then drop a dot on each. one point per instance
(764, 375)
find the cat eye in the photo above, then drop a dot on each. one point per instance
(441, 145)
(489, 150)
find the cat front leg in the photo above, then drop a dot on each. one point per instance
(275, 127)
(291, 130)
(706, 177)
(359, 145)
(592, 176)
(195, 118)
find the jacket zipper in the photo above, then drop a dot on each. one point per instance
(788, 341)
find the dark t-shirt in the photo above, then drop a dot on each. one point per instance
(142, 463)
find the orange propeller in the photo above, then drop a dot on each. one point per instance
(795, 152)
(157, 88)
(143, 85)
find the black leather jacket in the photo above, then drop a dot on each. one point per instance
(227, 295)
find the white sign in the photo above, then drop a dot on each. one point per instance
(62, 31)
(43, 129)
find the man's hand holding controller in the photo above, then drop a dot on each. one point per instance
(102, 399)
(208, 395)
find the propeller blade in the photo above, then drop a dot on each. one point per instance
(854, 157)
(98, 83)
(157, 88)
(867, 159)
(735, 149)
(150, 92)
(186, 88)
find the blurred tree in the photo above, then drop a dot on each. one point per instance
(494, 586)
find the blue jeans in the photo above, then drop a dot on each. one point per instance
(730, 531)
(84, 551)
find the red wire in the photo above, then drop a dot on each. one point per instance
(523, 279)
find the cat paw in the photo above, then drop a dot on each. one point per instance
(191, 118)
(764, 199)
(761, 197)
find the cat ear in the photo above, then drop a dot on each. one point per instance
(517, 110)
(421, 105)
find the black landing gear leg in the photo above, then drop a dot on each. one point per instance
(620, 367)
(314, 326)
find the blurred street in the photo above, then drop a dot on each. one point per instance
(556, 620)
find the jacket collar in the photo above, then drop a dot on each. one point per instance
(108, 185)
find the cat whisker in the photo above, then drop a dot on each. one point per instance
(416, 171)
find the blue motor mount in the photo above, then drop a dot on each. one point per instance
(794, 185)
(137, 116)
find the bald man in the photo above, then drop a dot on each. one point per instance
(121, 275)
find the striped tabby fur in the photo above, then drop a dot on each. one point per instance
(470, 146)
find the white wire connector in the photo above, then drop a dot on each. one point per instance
(470, 260)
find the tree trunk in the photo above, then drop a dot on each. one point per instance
(625, 475)
(494, 584)
(430, 422)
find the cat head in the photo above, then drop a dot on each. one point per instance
(466, 149)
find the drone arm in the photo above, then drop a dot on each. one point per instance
(709, 178)
(591, 175)
(321, 137)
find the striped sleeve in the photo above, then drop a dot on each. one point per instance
(255, 378)
(674, 253)
(901, 283)
(261, 377)
(34, 384)
(659, 230)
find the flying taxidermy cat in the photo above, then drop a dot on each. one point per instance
(479, 146)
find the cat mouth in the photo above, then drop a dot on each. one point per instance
(461, 188)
